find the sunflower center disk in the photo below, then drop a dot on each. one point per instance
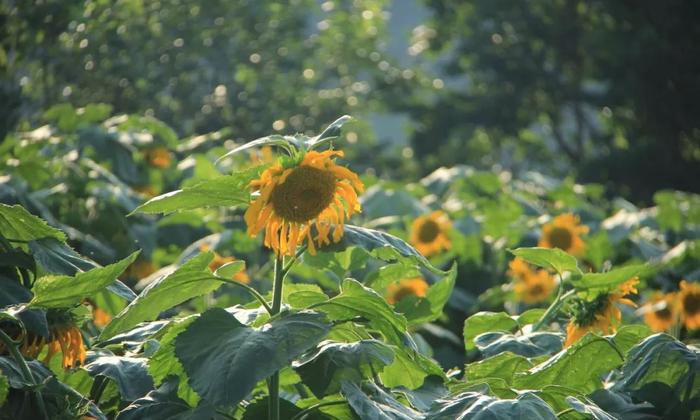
(428, 231)
(560, 238)
(306, 192)
(691, 303)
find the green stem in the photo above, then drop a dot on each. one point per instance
(274, 382)
(26, 373)
(250, 290)
(554, 307)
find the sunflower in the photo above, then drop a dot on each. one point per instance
(158, 157)
(429, 233)
(294, 197)
(64, 338)
(602, 314)
(660, 311)
(531, 286)
(564, 232)
(264, 155)
(139, 269)
(219, 261)
(100, 317)
(689, 302)
(416, 286)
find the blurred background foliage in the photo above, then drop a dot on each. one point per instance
(599, 90)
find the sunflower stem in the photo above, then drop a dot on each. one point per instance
(273, 384)
(26, 373)
(553, 309)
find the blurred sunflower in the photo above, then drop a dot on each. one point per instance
(296, 196)
(64, 337)
(689, 302)
(263, 155)
(100, 317)
(660, 312)
(564, 232)
(415, 286)
(158, 157)
(429, 233)
(531, 286)
(602, 314)
(139, 269)
(219, 261)
(147, 190)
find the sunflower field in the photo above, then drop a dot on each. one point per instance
(150, 277)
(349, 209)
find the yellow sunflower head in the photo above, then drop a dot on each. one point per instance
(262, 155)
(660, 311)
(531, 286)
(429, 233)
(415, 286)
(64, 337)
(159, 157)
(313, 192)
(689, 302)
(564, 232)
(600, 315)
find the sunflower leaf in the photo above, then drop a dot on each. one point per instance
(380, 244)
(332, 362)
(17, 223)
(63, 291)
(289, 143)
(223, 191)
(612, 278)
(331, 132)
(250, 355)
(190, 280)
(551, 258)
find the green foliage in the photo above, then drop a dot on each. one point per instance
(18, 224)
(63, 291)
(554, 259)
(190, 280)
(216, 338)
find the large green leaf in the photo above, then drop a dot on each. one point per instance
(224, 191)
(578, 367)
(130, 374)
(418, 310)
(225, 359)
(13, 293)
(17, 223)
(473, 405)
(57, 257)
(356, 300)
(334, 362)
(191, 279)
(164, 404)
(63, 291)
(665, 372)
(551, 258)
(164, 363)
(382, 245)
(482, 322)
(376, 404)
(410, 369)
(4, 389)
(528, 345)
(610, 279)
(504, 365)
